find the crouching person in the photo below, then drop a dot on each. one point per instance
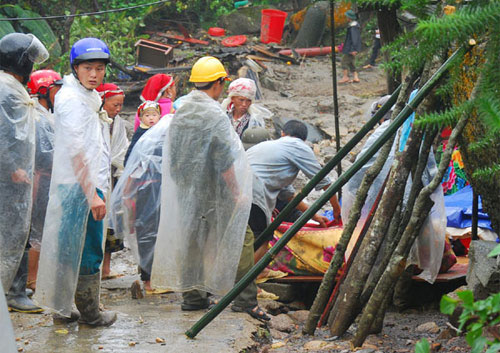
(72, 252)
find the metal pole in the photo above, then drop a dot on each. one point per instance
(475, 214)
(334, 81)
(327, 168)
(325, 197)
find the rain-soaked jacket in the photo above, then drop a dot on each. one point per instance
(81, 164)
(135, 201)
(119, 145)
(6, 330)
(17, 151)
(207, 185)
(44, 154)
(427, 252)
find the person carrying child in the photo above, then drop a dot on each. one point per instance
(161, 89)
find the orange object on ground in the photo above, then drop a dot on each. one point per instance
(314, 51)
(216, 31)
(234, 41)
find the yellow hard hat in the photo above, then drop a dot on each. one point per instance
(207, 69)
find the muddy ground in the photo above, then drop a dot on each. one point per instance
(156, 323)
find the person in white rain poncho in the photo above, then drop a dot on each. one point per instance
(6, 330)
(112, 102)
(43, 85)
(242, 112)
(202, 243)
(71, 252)
(18, 53)
(135, 202)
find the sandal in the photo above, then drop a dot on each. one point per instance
(256, 312)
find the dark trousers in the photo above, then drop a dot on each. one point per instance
(248, 297)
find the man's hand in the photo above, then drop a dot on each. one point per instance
(98, 208)
(354, 53)
(20, 177)
(322, 220)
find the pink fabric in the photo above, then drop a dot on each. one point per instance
(166, 108)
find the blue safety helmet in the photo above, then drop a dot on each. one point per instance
(88, 49)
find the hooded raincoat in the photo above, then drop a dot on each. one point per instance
(427, 250)
(43, 170)
(17, 148)
(135, 201)
(81, 165)
(207, 185)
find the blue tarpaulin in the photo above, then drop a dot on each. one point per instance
(459, 210)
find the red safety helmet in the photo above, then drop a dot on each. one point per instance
(40, 81)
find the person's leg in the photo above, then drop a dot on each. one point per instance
(345, 68)
(194, 300)
(33, 257)
(106, 265)
(89, 280)
(247, 299)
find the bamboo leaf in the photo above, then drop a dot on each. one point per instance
(448, 305)
(495, 251)
(422, 346)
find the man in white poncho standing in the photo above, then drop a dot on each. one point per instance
(18, 53)
(71, 253)
(203, 243)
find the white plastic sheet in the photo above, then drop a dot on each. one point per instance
(44, 154)
(135, 201)
(427, 251)
(6, 330)
(119, 145)
(17, 148)
(80, 162)
(207, 187)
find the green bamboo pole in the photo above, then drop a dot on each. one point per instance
(325, 197)
(327, 168)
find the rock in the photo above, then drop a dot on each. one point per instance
(314, 345)
(270, 83)
(428, 327)
(366, 350)
(296, 305)
(284, 291)
(242, 21)
(325, 106)
(446, 334)
(299, 316)
(483, 276)
(278, 335)
(273, 307)
(282, 323)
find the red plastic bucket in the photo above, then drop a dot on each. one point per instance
(271, 28)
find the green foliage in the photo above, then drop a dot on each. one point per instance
(40, 28)
(5, 27)
(447, 118)
(495, 251)
(476, 317)
(118, 31)
(422, 346)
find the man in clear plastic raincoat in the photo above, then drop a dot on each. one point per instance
(206, 196)
(42, 86)
(72, 252)
(18, 53)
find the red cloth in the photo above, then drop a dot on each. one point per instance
(155, 87)
(107, 90)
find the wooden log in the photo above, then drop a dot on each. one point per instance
(347, 305)
(327, 284)
(397, 264)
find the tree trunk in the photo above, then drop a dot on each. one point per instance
(397, 264)
(389, 30)
(347, 305)
(327, 283)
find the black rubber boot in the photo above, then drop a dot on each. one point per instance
(87, 302)
(17, 300)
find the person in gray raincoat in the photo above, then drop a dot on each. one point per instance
(18, 53)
